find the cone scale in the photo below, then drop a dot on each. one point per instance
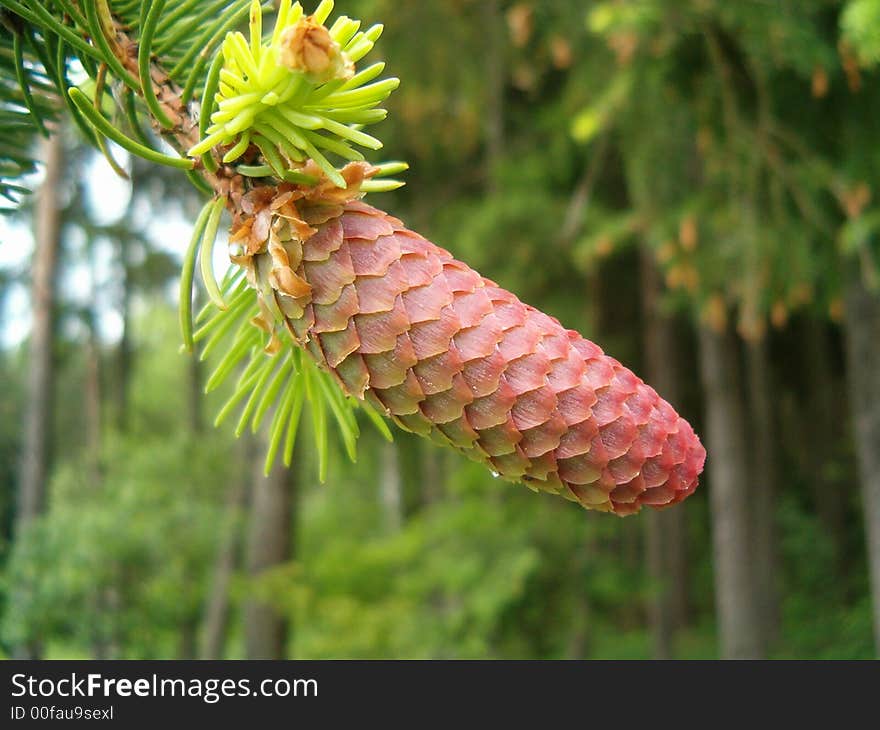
(450, 355)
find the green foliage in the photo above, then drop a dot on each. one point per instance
(835, 626)
(435, 590)
(733, 90)
(11, 369)
(860, 24)
(27, 102)
(100, 569)
(122, 557)
(736, 141)
(472, 576)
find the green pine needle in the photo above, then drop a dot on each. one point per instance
(18, 60)
(97, 120)
(186, 278)
(206, 252)
(148, 29)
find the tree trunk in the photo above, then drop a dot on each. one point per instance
(216, 617)
(391, 487)
(123, 350)
(40, 379)
(38, 417)
(823, 412)
(269, 544)
(104, 604)
(763, 487)
(434, 466)
(93, 403)
(196, 396)
(494, 25)
(580, 640)
(728, 496)
(578, 205)
(92, 389)
(666, 542)
(187, 647)
(863, 355)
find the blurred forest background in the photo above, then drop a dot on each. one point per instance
(693, 184)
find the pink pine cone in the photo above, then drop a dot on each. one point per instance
(449, 354)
